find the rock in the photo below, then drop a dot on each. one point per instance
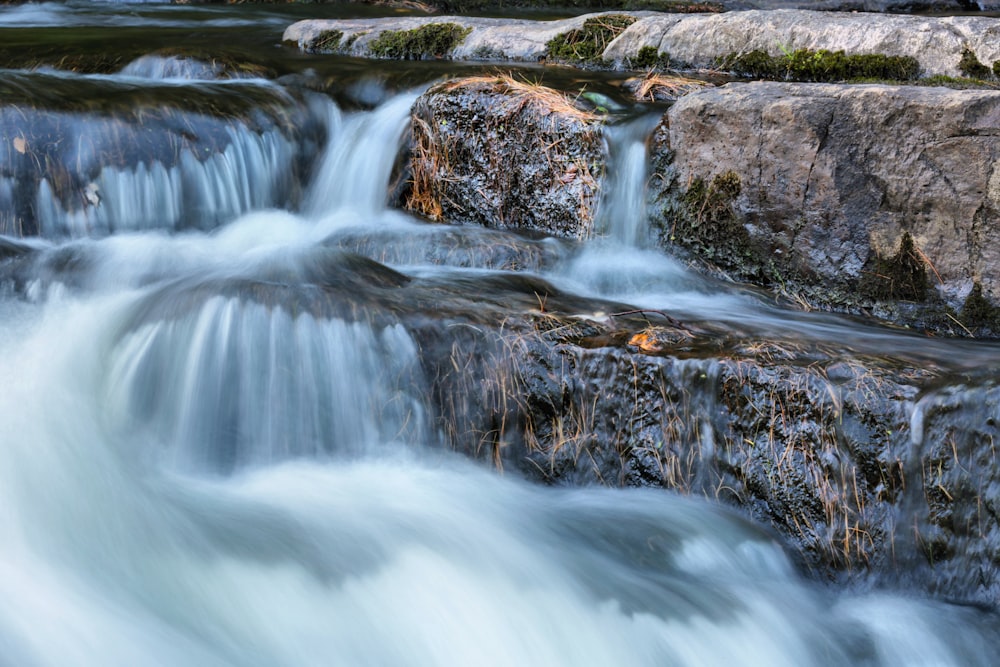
(688, 40)
(506, 154)
(825, 184)
(703, 40)
(823, 445)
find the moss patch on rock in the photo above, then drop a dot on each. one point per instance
(650, 58)
(587, 44)
(328, 40)
(978, 314)
(901, 276)
(821, 65)
(434, 40)
(970, 66)
(704, 220)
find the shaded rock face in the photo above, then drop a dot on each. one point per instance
(95, 157)
(505, 154)
(828, 183)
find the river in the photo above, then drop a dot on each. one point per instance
(193, 472)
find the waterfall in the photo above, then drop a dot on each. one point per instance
(236, 384)
(622, 215)
(221, 447)
(359, 160)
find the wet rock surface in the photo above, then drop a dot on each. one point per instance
(874, 469)
(506, 154)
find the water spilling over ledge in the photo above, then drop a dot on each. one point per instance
(277, 423)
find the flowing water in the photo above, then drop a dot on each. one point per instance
(202, 462)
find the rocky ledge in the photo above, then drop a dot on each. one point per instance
(862, 199)
(640, 39)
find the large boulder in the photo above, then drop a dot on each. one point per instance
(506, 154)
(857, 192)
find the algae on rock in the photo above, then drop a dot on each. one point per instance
(821, 65)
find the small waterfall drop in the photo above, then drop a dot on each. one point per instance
(235, 384)
(359, 160)
(622, 216)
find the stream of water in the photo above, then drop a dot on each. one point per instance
(191, 476)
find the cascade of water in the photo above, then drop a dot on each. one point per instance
(217, 483)
(359, 160)
(622, 215)
(235, 384)
(250, 173)
(173, 67)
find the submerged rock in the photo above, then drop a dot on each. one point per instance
(859, 194)
(506, 154)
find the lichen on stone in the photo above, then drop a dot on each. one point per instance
(434, 40)
(587, 44)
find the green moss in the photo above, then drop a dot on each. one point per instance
(349, 42)
(957, 83)
(676, 6)
(649, 57)
(822, 65)
(433, 40)
(587, 44)
(970, 66)
(978, 312)
(996, 68)
(902, 276)
(705, 219)
(328, 40)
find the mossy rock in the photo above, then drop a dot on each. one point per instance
(704, 220)
(978, 314)
(328, 40)
(821, 65)
(587, 44)
(650, 58)
(902, 276)
(970, 66)
(434, 40)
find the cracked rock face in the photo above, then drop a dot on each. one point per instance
(832, 177)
